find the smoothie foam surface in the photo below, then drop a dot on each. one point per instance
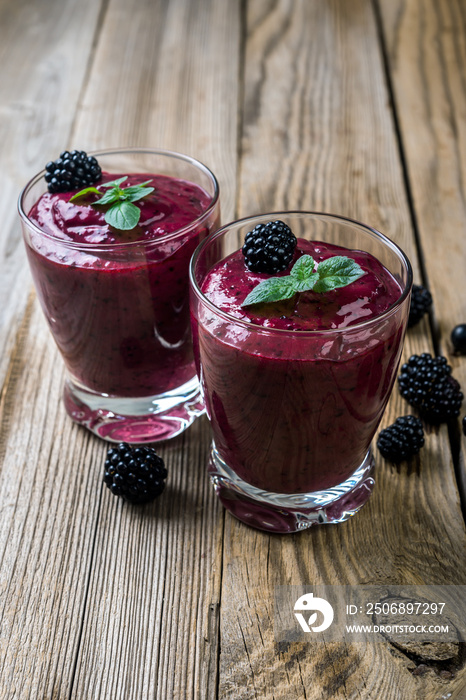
(172, 205)
(229, 282)
(120, 313)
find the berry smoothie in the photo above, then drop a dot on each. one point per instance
(117, 301)
(295, 389)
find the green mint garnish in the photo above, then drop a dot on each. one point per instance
(122, 213)
(338, 271)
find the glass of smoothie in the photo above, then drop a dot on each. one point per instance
(295, 388)
(117, 300)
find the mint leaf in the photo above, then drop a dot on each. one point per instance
(271, 289)
(303, 267)
(338, 271)
(123, 215)
(115, 183)
(88, 190)
(304, 278)
(110, 197)
(136, 193)
(136, 187)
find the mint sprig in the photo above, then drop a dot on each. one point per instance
(329, 274)
(122, 213)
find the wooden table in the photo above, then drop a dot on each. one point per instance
(348, 106)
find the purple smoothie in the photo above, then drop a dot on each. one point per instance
(119, 318)
(294, 411)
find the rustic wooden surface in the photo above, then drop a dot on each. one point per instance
(349, 106)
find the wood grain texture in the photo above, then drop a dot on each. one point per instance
(173, 588)
(49, 507)
(47, 522)
(164, 75)
(290, 99)
(153, 598)
(318, 133)
(426, 54)
(44, 51)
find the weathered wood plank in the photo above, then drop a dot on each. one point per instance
(426, 53)
(165, 75)
(45, 48)
(154, 588)
(318, 133)
(48, 510)
(47, 521)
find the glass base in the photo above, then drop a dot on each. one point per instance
(135, 420)
(283, 513)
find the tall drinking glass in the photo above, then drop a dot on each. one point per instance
(119, 310)
(293, 412)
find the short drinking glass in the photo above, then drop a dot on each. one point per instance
(117, 301)
(294, 409)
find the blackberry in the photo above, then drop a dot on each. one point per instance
(269, 247)
(401, 440)
(458, 338)
(426, 383)
(421, 301)
(71, 171)
(137, 474)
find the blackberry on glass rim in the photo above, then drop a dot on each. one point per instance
(71, 171)
(269, 247)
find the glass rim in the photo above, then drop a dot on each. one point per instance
(237, 223)
(124, 244)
